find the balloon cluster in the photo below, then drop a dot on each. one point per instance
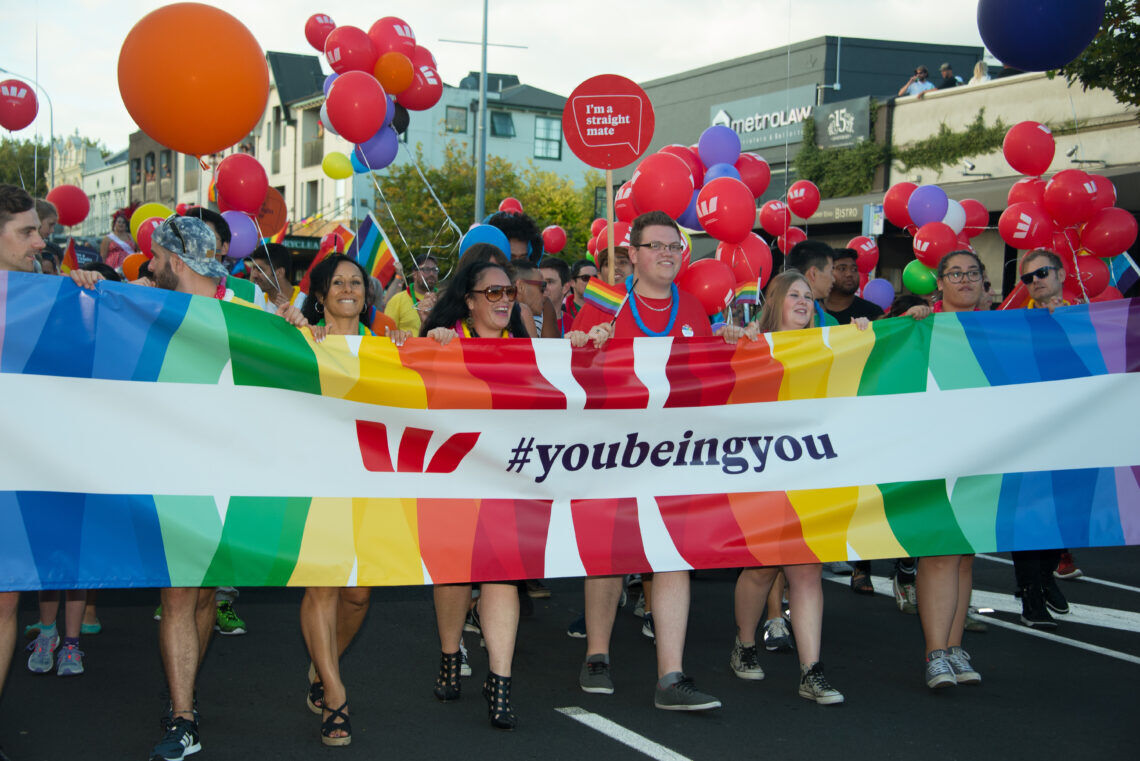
(1074, 214)
(378, 77)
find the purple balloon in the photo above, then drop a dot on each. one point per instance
(380, 150)
(688, 217)
(243, 234)
(329, 83)
(879, 292)
(721, 170)
(928, 203)
(389, 112)
(719, 145)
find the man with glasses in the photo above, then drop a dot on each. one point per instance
(410, 306)
(580, 275)
(917, 84)
(1044, 278)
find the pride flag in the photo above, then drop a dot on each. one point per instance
(371, 248)
(69, 262)
(748, 293)
(605, 297)
(279, 236)
(337, 242)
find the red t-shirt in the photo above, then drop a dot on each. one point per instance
(691, 319)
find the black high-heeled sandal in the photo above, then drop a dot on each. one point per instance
(447, 683)
(331, 724)
(497, 692)
(315, 699)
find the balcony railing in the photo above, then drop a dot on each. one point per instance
(312, 152)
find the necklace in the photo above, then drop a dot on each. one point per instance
(647, 305)
(674, 297)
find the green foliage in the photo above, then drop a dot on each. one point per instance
(839, 172)
(17, 159)
(947, 147)
(1110, 60)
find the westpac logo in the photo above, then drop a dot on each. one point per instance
(404, 30)
(867, 245)
(921, 245)
(429, 75)
(333, 55)
(377, 457)
(323, 19)
(796, 194)
(704, 208)
(1024, 224)
(14, 91)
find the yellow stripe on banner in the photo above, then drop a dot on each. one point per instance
(806, 363)
(385, 380)
(850, 348)
(824, 517)
(870, 532)
(338, 367)
(327, 549)
(387, 542)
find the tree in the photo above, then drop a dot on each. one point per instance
(23, 163)
(1109, 62)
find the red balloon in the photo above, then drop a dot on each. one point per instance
(803, 198)
(1105, 194)
(977, 217)
(789, 239)
(1066, 242)
(691, 159)
(356, 105)
(146, 231)
(754, 172)
(1030, 190)
(866, 253)
(933, 241)
(1029, 148)
(621, 237)
(71, 203)
(18, 104)
(1109, 232)
(242, 181)
(662, 182)
(423, 57)
(751, 259)
(1025, 226)
(625, 210)
(180, 209)
(597, 226)
(424, 92)
(317, 30)
(686, 260)
(511, 205)
(553, 239)
(592, 246)
(1092, 272)
(1108, 294)
(711, 281)
(726, 209)
(911, 229)
(775, 217)
(347, 48)
(895, 204)
(1069, 197)
(391, 34)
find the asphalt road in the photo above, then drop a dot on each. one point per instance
(1072, 695)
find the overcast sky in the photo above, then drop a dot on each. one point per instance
(567, 42)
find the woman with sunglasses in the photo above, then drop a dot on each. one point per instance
(478, 303)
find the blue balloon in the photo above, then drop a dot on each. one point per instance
(928, 203)
(329, 82)
(379, 150)
(357, 164)
(879, 292)
(719, 145)
(486, 234)
(688, 217)
(721, 170)
(1036, 35)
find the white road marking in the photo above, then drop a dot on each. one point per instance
(624, 736)
(1090, 579)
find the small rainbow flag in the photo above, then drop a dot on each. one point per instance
(748, 293)
(371, 248)
(605, 297)
(70, 261)
(337, 241)
(279, 236)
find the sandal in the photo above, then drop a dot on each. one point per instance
(497, 692)
(447, 683)
(861, 583)
(330, 725)
(315, 700)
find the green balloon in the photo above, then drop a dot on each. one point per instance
(919, 279)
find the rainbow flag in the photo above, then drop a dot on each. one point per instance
(70, 262)
(1123, 271)
(748, 293)
(371, 248)
(605, 297)
(336, 242)
(279, 236)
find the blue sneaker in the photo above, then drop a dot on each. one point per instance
(42, 659)
(180, 740)
(70, 661)
(577, 627)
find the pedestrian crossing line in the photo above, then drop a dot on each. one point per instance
(1090, 579)
(626, 737)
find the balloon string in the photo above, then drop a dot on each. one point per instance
(265, 248)
(431, 191)
(388, 207)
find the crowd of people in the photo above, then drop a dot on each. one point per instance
(495, 294)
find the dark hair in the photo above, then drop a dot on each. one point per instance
(144, 269)
(278, 257)
(649, 219)
(105, 270)
(320, 279)
(807, 254)
(523, 267)
(452, 304)
(905, 302)
(579, 265)
(519, 227)
(13, 201)
(559, 266)
(942, 265)
(423, 259)
(485, 252)
(213, 218)
(1038, 253)
(844, 253)
(45, 209)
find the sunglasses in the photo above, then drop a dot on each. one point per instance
(585, 278)
(496, 292)
(539, 284)
(1039, 274)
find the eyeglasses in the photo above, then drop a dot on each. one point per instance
(428, 270)
(957, 276)
(539, 284)
(1039, 274)
(657, 247)
(585, 278)
(496, 292)
(177, 232)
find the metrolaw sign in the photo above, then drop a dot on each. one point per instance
(767, 120)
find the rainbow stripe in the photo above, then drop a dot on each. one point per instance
(372, 249)
(748, 293)
(604, 296)
(70, 261)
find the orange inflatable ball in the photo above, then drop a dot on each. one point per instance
(131, 266)
(395, 72)
(193, 78)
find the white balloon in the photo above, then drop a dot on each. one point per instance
(955, 216)
(328, 125)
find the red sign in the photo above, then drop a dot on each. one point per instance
(608, 121)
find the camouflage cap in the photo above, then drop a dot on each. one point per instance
(192, 241)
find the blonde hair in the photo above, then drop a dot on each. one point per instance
(981, 70)
(775, 294)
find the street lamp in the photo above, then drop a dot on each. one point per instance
(51, 130)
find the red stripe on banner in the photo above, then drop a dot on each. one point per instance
(447, 537)
(771, 528)
(758, 375)
(609, 536)
(533, 519)
(448, 456)
(496, 554)
(608, 377)
(373, 438)
(447, 383)
(510, 370)
(705, 531)
(700, 373)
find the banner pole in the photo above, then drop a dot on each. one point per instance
(610, 226)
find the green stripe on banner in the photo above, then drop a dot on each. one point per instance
(974, 500)
(197, 351)
(191, 528)
(260, 542)
(921, 518)
(898, 361)
(952, 362)
(269, 352)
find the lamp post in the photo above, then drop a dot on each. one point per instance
(51, 129)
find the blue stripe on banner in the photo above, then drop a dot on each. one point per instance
(1082, 336)
(161, 333)
(1104, 527)
(122, 543)
(66, 347)
(53, 522)
(122, 327)
(1076, 491)
(30, 301)
(1000, 348)
(1035, 519)
(1056, 359)
(17, 564)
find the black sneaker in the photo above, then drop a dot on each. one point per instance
(1034, 614)
(683, 695)
(181, 740)
(1054, 598)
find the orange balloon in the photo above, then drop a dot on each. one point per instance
(273, 214)
(193, 78)
(131, 265)
(395, 72)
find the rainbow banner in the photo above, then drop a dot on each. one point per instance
(511, 459)
(372, 249)
(604, 296)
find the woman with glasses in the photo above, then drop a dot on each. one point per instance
(478, 303)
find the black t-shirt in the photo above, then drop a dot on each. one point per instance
(951, 81)
(859, 308)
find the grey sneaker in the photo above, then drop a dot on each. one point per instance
(840, 568)
(683, 696)
(814, 686)
(647, 629)
(777, 636)
(464, 666)
(42, 659)
(745, 662)
(70, 662)
(939, 672)
(906, 595)
(639, 607)
(595, 676)
(959, 661)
